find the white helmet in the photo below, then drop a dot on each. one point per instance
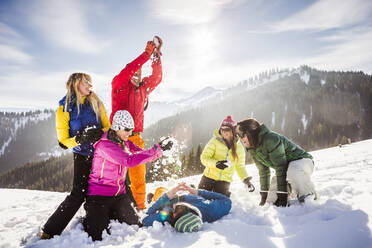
(122, 119)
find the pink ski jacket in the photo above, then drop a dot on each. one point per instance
(110, 163)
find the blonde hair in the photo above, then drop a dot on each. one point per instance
(72, 86)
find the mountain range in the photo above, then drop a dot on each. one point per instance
(314, 108)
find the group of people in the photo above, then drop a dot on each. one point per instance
(106, 149)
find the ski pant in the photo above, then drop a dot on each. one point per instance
(68, 208)
(137, 176)
(299, 178)
(209, 184)
(101, 209)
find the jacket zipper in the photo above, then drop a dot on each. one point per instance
(227, 154)
(263, 160)
(118, 182)
(103, 166)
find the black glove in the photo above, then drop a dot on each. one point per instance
(88, 135)
(222, 164)
(282, 200)
(250, 186)
(166, 144)
(263, 198)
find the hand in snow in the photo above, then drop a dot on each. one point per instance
(166, 144)
(223, 164)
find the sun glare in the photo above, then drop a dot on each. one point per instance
(203, 47)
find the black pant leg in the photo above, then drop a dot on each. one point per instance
(123, 211)
(68, 208)
(128, 191)
(206, 183)
(222, 187)
(97, 215)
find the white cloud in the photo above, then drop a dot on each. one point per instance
(182, 79)
(65, 24)
(13, 54)
(11, 43)
(8, 32)
(351, 51)
(187, 12)
(44, 90)
(327, 14)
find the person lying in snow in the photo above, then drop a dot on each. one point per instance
(113, 154)
(186, 213)
(291, 163)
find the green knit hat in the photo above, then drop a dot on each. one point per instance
(189, 222)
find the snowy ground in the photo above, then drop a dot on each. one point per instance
(340, 218)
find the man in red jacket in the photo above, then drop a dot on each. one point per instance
(130, 92)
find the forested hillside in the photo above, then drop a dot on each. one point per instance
(25, 137)
(316, 109)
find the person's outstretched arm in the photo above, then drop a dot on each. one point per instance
(127, 73)
(154, 80)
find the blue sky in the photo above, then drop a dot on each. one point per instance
(206, 42)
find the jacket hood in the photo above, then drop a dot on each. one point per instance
(263, 132)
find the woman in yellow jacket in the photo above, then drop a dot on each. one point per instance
(81, 120)
(223, 154)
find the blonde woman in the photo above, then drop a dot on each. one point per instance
(81, 120)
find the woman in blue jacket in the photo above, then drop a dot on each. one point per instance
(81, 120)
(186, 213)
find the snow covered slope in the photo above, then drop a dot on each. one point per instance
(340, 218)
(159, 110)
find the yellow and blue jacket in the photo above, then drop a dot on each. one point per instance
(69, 123)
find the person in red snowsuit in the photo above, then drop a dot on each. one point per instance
(130, 92)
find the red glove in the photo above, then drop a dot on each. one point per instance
(158, 43)
(150, 47)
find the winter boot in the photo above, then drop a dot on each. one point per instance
(149, 197)
(44, 235)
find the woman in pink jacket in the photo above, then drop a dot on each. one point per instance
(113, 154)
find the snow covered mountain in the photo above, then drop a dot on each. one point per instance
(340, 218)
(159, 110)
(26, 136)
(316, 109)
